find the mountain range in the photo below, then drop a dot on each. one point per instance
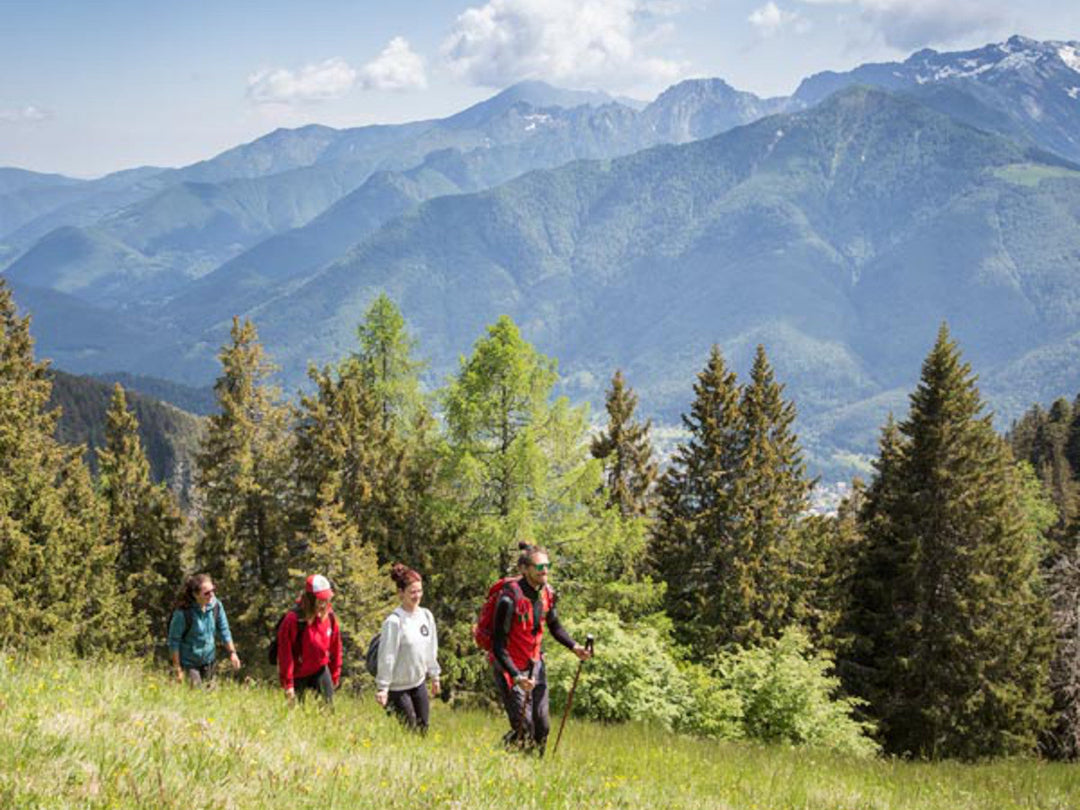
(838, 226)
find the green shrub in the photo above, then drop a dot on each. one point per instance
(786, 694)
(633, 677)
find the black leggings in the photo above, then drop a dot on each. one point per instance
(318, 682)
(536, 723)
(412, 707)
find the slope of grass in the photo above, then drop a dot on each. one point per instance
(77, 734)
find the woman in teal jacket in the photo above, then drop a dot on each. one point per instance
(198, 623)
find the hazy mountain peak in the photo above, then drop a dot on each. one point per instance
(533, 93)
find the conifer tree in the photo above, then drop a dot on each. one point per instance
(830, 546)
(334, 547)
(57, 582)
(625, 450)
(949, 611)
(244, 487)
(387, 365)
(697, 519)
(772, 493)
(143, 518)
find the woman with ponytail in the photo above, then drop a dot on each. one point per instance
(408, 653)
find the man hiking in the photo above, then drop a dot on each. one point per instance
(524, 605)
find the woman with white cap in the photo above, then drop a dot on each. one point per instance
(309, 643)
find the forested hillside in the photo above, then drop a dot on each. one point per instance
(169, 436)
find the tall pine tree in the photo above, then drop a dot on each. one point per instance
(244, 489)
(625, 450)
(143, 519)
(949, 610)
(764, 563)
(696, 517)
(57, 580)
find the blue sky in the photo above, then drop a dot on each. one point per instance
(92, 87)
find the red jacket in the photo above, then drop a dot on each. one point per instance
(522, 644)
(319, 645)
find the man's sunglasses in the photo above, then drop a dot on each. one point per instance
(542, 566)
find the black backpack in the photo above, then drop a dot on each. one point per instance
(271, 651)
(371, 657)
(301, 625)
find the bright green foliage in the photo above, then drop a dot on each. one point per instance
(517, 461)
(520, 470)
(244, 489)
(144, 522)
(696, 514)
(1044, 439)
(633, 676)
(948, 607)
(625, 449)
(385, 362)
(57, 582)
(786, 693)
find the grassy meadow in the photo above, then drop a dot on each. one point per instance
(76, 734)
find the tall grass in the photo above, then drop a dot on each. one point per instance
(79, 734)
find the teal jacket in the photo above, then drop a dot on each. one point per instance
(197, 647)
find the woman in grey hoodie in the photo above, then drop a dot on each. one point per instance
(408, 653)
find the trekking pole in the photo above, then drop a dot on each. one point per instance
(570, 697)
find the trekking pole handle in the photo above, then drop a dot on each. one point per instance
(589, 643)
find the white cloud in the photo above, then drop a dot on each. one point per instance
(907, 24)
(398, 67)
(770, 18)
(577, 42)
(24, 115)
(324, 81)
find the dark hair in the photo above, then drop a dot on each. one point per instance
(528, 551)
(308, 601)
(185, 597)
(404, 576)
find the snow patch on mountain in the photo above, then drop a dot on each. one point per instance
(537, 119)
(1070, 55)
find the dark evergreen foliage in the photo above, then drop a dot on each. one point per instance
(57, 581)
(245, 490)
(625, 449)
(144, 523)
(949, 612)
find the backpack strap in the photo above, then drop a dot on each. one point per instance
(187, 622)
(190, 609)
